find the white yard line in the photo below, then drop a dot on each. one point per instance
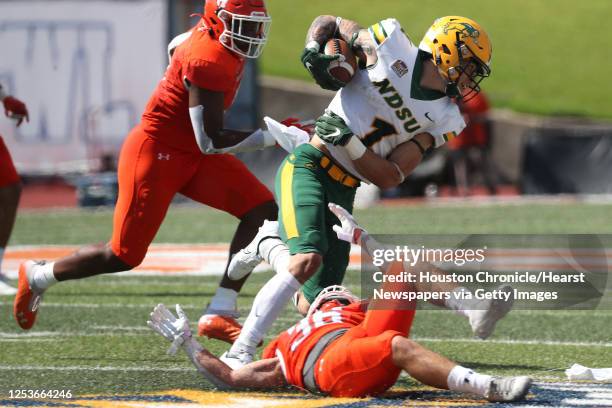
(588, 388)
(518, 342)
(558, 313)
(35, 335)
(102, 305)
(144, 331)
(122, 328)
(93, 368)
(573, 402)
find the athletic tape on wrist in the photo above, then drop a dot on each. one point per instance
(355, 148)
(313, 45)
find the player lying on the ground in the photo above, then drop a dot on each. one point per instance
(10, 183)
(376, 129)
(342, 348)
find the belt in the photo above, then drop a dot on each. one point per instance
(336, 173)
(308, 371)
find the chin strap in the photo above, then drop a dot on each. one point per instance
(452, 90)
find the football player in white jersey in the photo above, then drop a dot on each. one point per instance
(376, 130)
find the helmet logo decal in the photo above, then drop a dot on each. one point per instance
(222, 3)
(465, 30)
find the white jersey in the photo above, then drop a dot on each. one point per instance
(385, 106)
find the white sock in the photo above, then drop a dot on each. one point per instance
(268, 244)
(465, 380)
(462, 301)
(277, 255)
(224, 299)
(269, 302)
(42, 276)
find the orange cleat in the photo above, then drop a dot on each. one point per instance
(224, 328)
(27, 299)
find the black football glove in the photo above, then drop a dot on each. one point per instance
(317, 64)
(332, 129)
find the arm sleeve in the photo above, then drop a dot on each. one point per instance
(383, 30)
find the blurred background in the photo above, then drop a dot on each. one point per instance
(543, 125)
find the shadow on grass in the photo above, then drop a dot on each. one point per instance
(486, 366)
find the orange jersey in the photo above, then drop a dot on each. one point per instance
(293, 345)
(203, 62)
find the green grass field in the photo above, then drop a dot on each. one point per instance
(547, 56)
(91, 336)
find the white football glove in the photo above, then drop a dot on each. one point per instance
(288, 137)
(172, 328)
(348, 230)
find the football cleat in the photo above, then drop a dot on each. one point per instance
(224, 328)
(5, 288)
(483, 321)
(244, 261)
(238, 359)
(27, 299)
(507, 389)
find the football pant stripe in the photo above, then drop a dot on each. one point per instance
(287, 208)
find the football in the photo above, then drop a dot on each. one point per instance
(344, 68)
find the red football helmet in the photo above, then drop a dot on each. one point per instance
(240, 25)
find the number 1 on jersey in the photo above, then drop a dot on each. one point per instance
(381, 130)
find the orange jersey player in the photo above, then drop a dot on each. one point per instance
(179, 147)
(312, 354)
(343, 347)
(10, 183)
(339, 350)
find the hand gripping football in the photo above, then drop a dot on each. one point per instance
(344, 68)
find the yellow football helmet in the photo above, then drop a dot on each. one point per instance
(459, 46)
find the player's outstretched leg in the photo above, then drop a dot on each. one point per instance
(245, 260)
(220, 322)
(483, 320)
(36, 277)
(268, 304)
(437, 371)
(483, 315)
(267, 246)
